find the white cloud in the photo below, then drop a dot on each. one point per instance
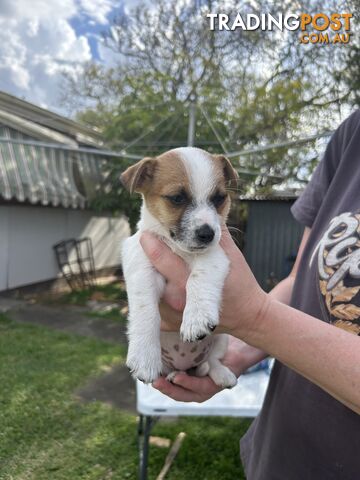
(38, 42)
(97, 9)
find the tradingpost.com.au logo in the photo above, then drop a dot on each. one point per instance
(315, 28)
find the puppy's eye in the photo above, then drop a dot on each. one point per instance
(178, 199)
(218, 199)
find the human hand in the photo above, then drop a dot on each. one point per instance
(186, 388)
(243, 299)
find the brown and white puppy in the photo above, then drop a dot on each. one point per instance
(185, 203)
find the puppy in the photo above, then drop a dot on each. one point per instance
(185, 203)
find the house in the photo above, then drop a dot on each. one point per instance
(50, 169)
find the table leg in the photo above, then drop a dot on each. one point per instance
(144, 429)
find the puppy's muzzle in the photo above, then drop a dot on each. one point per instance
(204, 234)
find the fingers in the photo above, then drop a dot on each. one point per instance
(175, 296)
(186, 388)
(228, 243)
(201, 385)
(171, 316)
(172, 267)
(175, 392)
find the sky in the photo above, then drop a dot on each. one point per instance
(41, 39)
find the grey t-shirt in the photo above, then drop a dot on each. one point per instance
(302, 433)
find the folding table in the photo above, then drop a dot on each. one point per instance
(244, 400)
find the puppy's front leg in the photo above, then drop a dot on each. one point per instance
(144, 289)
(203, 294)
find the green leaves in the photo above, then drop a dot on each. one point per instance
(257, 88)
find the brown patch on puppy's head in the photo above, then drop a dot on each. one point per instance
(169, 195)
(164, 184)
(226, 170)
(138, 177)
(226, 177)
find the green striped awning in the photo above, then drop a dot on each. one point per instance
(46, 174)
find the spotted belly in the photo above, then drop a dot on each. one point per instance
(177, 355)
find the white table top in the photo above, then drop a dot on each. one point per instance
(244, 400)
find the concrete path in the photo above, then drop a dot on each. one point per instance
(116, 387)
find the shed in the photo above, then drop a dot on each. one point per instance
(50, 169)
(272, 237)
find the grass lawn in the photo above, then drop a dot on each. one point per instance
(46, 434)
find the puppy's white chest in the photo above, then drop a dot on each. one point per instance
(178, 355)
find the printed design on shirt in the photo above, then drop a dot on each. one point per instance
(338, 262)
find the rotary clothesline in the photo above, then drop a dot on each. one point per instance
(58, 174)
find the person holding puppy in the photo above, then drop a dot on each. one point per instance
(309, 426)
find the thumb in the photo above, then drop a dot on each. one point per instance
(228, 244)
(172, 267)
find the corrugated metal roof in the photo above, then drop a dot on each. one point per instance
(34, 130)
(274, 196)
(45, 174)
(33, 113)
(42, 159)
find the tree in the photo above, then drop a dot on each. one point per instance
(255, 87)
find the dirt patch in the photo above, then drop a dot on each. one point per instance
(115, 388)
(71, 319)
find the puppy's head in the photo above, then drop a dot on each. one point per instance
(185, 190)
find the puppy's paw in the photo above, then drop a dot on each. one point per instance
(223, 376)
(202, 370)
(170, 377)
(146, 365)
(198, 322)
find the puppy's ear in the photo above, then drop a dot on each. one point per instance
(137, 177)
(230, 174)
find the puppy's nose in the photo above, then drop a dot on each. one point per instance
(205, 233)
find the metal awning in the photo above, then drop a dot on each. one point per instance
(50, 174)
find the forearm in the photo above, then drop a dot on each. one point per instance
(324, 354)
(283, 290)
(242, 356)
(247, 354)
